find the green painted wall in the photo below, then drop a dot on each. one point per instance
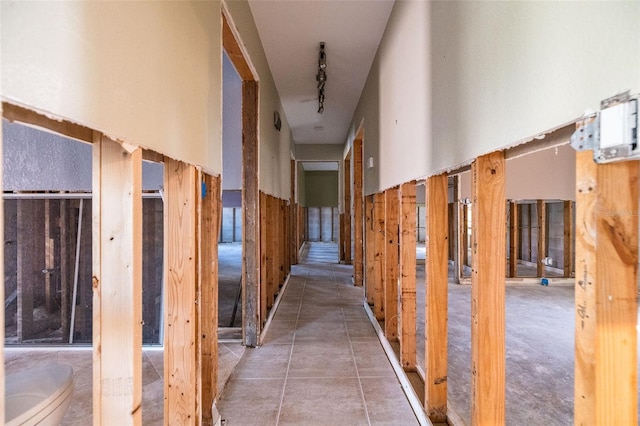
(321, 188)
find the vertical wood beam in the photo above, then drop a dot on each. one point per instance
(606, 373)
(392, 260)
(293, 218)
(568, 239)
(488, 290)
(271, 261)
(465, 237)
(181, 272)
(369, 263)
(341, 237)
(117, 283)
(514, 240)
(65, 293)
(49, 253)
(437, 283)
(211, 212)
(358, 268)
(541, 209)
(250, 215)
(347, 210)
(30, 262)
(408, 276)
(455, 226)
(264, 243)
(379, 254)
(530, 230)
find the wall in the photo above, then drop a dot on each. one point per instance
(480, 76)
(231, 127)
(275, 147)
(321, 188)
(147, 73)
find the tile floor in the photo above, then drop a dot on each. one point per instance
(321, 361)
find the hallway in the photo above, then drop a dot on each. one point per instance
(320, 362)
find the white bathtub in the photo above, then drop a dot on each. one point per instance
(38, 396)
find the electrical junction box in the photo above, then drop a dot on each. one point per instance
(612, 133)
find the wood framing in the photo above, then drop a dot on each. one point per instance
(264, 264)
(407, 308)
(347, 210)
(181, 204)
(488, 290)
(270, 251)
(437, 283)
(340, 237)
(117, 283)
(514, 239)
(379, 254)
(455, 226)
(606, 372)
(250, 215)
(464, 237)
(358, 217)
(568, 239)
(208, 324)
(234, 52)
(541, 209)
(369, 250)
(293, 222)
(392, 261)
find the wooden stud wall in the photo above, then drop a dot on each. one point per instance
(117, 283)
(347, 210)
(542, 236)
(379, 255)
(568, 239)
(369, 250)
(514, 239)
(488, 290)
(606, 372)
(181, 208)
(392, 261)
(407, 308)
(264, 261)
(358, 217)
(455, 226)
(211, 213)
(436, 304)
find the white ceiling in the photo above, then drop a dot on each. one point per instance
(319, 166)
(291, 32)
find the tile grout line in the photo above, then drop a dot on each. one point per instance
(353, 355)
(293, 342)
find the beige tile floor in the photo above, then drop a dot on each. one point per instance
(321, 362)
(80, 409)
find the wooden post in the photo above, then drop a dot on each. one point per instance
(455, 226)
(117, 283)
(542, 236)
(49, 254)
(514, 240)
(293, 219)
(250, 215)
(379, 254)
(568, 239)
(369, 264)
(465, 237)
(437, 283)
(606, 372)
(211, 210)
(65, 283)
(358, 267)
(341, 239)
(488, 290)
(271, 256)
(530, 222)
(392, 223)
(407, 309)
(264, 247)
(347, 210)
(182, 194)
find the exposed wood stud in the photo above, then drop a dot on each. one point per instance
(606, 372)
(250, 215)
(211, 212)
(369, 233)
(379, 253)
(234, 52)
(407, 309)
(437, 282)
(180, 210)
(488, 290)
(514, 240)
(340, 238)
(464, 228)
(347, 210)
(264, 268)
(568, 239)
(358, 268)
(455, 226)
(392, 260)
(117, 283)
(541, 209)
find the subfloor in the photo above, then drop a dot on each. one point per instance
(80, 410)
(321, 361)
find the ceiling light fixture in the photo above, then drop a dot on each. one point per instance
(321, 77)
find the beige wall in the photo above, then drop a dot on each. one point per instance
(454, 80)
(147, 73)
(321, 188)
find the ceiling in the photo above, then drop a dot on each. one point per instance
(291, 32)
